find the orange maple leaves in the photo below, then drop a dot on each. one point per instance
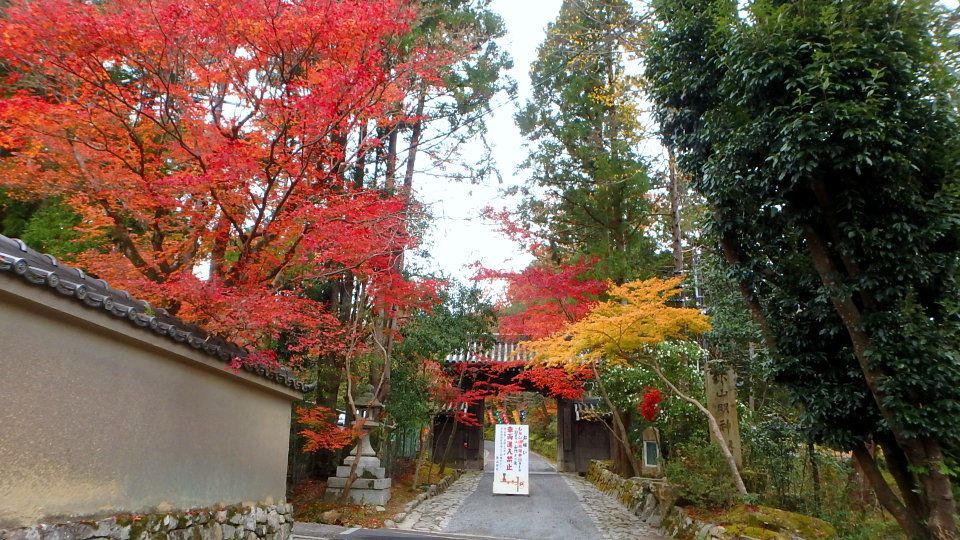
(635, 315)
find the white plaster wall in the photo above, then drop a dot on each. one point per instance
(97, 418)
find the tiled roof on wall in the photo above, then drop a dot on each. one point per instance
(47, 272)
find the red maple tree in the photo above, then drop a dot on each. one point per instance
(543, 298)
(539, 301)
(320, 434)
(556, 382)
(206, 146)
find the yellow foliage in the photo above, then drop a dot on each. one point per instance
(635, 316)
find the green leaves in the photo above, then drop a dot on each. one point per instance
(48, 226)
(835, 122)
(588, 180)
(429, 336)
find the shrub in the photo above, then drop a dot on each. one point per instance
(701, 476)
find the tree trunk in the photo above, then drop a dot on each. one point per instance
(619, 430)
(731, 254)
(351, 478)
(432, 443)
(888, 499)
(921, 452)
(422, 451)
(341, 139)
(218, 254)
(942, 521)
(675, 231)
(415, 136)
(390, 181)
(450, 439)
(714, 429)
(814, 475)
(359, 168)
(906, 482)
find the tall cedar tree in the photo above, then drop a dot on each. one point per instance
(587, 194)
(824, 136)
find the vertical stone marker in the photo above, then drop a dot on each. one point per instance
(511, 460)
(722, 403)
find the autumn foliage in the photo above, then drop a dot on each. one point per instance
(649, 406)
(206, 144)
(543, 298)
(634, 316)
(555, 382)
(320, 433)
(540, 300)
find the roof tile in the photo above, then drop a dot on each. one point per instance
(45, 270)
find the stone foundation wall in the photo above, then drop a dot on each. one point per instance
(652, 501)
(265, 522)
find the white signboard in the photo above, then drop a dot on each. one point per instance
(511, 460)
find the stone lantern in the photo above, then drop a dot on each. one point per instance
(369, 409)
(371, 485)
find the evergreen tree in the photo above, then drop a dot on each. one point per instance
(824, 136)
(587, 193)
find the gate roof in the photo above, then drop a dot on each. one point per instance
(504, 349)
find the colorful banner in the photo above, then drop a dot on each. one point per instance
(511, 460)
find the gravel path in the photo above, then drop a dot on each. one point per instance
(434, 514)
(611, 517)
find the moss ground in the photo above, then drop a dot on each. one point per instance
(765, 523)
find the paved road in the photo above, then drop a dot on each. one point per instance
(559, 507)
(314, 531)
(550, 511)
(538, 463)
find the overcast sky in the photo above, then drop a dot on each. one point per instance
(459, 236)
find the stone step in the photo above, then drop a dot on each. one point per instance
(362, 496)
(365, 461)
(360, 483)
(343, 471)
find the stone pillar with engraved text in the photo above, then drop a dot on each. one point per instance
(722, 403)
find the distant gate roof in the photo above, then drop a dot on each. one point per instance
(589, 409)
(502, 350)
(47, 272)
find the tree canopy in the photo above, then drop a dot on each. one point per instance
(632, 319)
(587, 194)
(824, 137)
